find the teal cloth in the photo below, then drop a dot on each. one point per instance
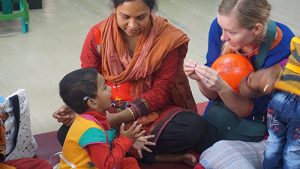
(266, 45)
(111, 134)
(92, 135)
(231, 127)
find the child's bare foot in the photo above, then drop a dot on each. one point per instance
(189, 159)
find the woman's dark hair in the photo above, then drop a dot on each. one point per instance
(77, 86)
(150, 3)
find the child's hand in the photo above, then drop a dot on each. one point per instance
(134, 132)
(260, 82)
(141, 142)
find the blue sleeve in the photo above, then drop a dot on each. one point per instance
(92, 135)
(214, 43)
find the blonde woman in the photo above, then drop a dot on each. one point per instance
(243, 27)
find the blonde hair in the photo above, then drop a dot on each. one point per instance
(225, 49)
(248, 12)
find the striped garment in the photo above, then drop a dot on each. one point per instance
(227, 154)
(289, 79)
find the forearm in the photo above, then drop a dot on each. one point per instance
(238, 104)
(124, 116)
(207, 92)
(247, 91)
(260, 82)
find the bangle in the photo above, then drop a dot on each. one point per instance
(266, 87)
(140, 104)
(132, 113)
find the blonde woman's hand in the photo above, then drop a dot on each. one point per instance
(210, 78)
(189, 69)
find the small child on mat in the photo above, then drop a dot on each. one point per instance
(90, 141)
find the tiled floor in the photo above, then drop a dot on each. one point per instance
(37, 60)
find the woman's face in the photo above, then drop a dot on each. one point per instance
(236, 36)
(133, 17)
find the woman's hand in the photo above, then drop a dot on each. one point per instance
(211, 78)
(65, 115)
(141, 143)
(189, 69)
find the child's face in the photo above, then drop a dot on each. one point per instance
(102, 99)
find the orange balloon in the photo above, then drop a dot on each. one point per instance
(233, 68)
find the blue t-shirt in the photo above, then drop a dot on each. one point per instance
(274, 56)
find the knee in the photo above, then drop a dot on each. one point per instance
(196, 127)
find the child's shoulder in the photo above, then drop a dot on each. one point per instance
(88, 119)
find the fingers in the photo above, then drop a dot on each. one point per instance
(189, 66)
(122, 128)
(146, 138)
(146, 149)
(62, 113)
(149, 136)
(205, 71)
(69, 121)
(138, 128)
(189, 63)
(140, 134)
(133, 126)
(135, 131)
(140, 153)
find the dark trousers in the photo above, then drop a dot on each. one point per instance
(185, 132)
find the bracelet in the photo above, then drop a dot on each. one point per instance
(132, 113)
(141, 105)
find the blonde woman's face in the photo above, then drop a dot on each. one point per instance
(133, 17)
(236, 36)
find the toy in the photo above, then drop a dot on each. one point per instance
(233, 68)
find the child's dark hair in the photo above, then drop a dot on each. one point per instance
(77, 85)
(150, 3)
